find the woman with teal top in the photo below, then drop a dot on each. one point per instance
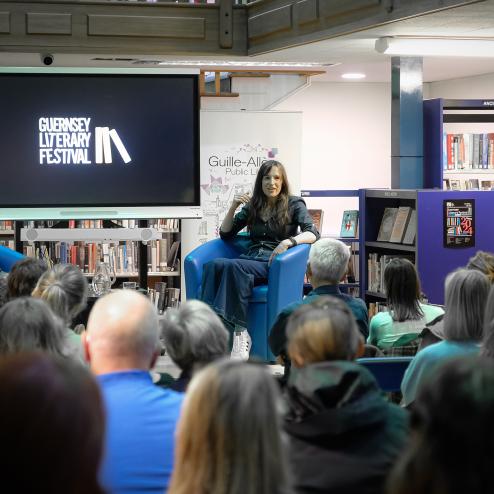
(466, 297)
(406, 316)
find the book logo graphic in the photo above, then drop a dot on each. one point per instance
(67, 141)
(102, 139)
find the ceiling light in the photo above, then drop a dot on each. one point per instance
(240, 63)
(441, 47)
(353, 75)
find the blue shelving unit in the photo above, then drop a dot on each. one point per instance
(348, 240)
(438, 112)
(432, 259)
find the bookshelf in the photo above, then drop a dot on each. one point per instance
(433, 260)
(135, 248)
(459, 144)
(352, 288)
(373, 203)
(7, 234)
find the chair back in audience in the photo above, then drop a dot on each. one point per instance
(388, 371)
(8, 258)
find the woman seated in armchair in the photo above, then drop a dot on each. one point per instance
(273, 218)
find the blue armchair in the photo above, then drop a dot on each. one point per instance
(285, 283)
(8, 258)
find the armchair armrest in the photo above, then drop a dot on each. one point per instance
(286, 279)
(8, 258)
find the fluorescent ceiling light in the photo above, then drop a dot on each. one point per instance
(441, 47)
(353, 75)
(240, 63)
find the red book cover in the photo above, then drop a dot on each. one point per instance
(73, 255)
(449, 146)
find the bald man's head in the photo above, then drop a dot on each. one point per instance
(122, 332)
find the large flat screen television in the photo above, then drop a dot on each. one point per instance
(99, 144)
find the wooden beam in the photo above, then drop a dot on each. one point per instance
(111, 27)
(265, 71)
(202, 82)
(217, 82)
(220, 95)
(277, 24)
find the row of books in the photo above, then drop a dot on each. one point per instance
(376, 264)
(164, 297)
(164, 224)
(122, 257)
(8, 243)
(6, 225)
(465, 151)
(398, 225)
(470, 184)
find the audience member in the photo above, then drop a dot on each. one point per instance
(328, 262)
(466, 294)
(121, 345)
(228, 439)
(344, 435)
(65, 290)
(452, 446)
(483, 262)
(487, 348)
(396, 331)
(23, 277)
(3, 290)
(194, 336)
(28, 324)
(52, 425)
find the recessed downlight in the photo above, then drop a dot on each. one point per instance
(353, 75)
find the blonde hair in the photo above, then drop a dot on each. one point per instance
(323, 330)
(228, 437)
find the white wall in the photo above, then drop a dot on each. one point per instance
(478, 87)
(346, 142)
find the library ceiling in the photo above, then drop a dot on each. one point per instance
(333, 35)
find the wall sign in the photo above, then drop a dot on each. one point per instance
(459, 223)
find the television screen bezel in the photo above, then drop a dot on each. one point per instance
(73, 211)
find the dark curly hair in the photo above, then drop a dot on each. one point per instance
(23, 277)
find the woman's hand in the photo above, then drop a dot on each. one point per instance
(239, 199)
(283, 246)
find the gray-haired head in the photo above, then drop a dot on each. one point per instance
(122, 332)
(466, 296)
(64, 289)
(328, 260)
(28, 324)
(487, 349)
(194, 335)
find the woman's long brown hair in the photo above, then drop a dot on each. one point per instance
(228, 437)
(259, 200)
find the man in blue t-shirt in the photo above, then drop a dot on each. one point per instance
(121, 346)
(328, 265)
